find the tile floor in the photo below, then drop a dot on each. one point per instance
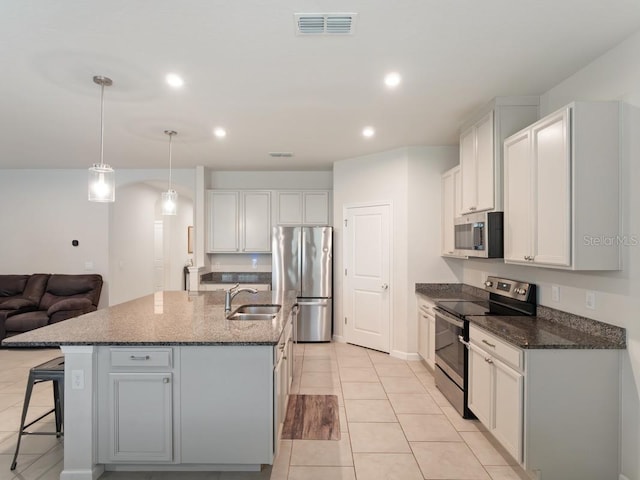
(395, 425)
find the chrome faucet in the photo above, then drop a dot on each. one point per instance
(232, 292)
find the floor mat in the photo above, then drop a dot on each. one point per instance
(312, 417)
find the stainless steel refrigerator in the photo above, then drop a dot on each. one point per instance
(301, 260)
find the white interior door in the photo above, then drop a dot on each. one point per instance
(367, 288)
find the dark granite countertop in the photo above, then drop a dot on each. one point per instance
(166, 318)
(549, 329)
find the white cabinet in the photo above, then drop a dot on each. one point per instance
(239, 221)
(136, 401)
(496, 389)
(481, 149)
(303, 207)
(544, 405)
(561, 190)
(451, 208)
(426, 331)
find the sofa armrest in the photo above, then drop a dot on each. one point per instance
(70, 304)
(18, 303)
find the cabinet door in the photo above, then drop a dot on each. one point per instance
(140, 417)
(431, 347)
(448, 211)
(256, 209)
(518, 199)
(552, 187)
(289, 208)
(485, 164)
(315, 208)
(508, 410)
(224, 219)
(468, 170)
(423, 336)
(480, 396)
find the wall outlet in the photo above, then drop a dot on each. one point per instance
(555, 293)
(591, 300)
(88, 266)
(77, 379)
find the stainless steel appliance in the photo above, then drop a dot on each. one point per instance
(301, 260)
(479, 235)
(506, 297)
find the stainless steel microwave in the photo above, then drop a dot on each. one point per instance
(479, 235)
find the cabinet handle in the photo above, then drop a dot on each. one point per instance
(165, 380)
(487, 343)
(472, 208)
(139, 357)
(450, 252)
(281, 347)
(488, 360)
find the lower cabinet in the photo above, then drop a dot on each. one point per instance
(282, 379)
(551, 409)
(426, 331)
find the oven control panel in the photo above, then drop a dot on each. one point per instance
(509, 288)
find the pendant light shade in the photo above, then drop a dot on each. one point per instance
(170, 197)
(102, 187)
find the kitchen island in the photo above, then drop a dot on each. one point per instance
(166, 382)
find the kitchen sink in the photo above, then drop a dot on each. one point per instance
(254, 312)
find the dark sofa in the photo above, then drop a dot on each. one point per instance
(33, 301)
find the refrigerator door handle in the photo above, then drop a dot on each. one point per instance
(320, 303)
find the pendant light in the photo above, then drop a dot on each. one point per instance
(170, 197)
(101, 176)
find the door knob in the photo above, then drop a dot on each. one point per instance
(385, 286)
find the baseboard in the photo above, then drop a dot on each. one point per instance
(92, 474)
(404, 355)
(339, 339)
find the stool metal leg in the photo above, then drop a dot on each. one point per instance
(58, 402)
(27, 399)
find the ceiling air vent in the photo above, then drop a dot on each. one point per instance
(325, 23)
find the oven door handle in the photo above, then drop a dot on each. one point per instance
(463, 341)
(448, 318)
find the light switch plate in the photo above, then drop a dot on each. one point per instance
(555, 293)
(591, 300)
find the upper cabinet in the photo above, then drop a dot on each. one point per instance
(311, 207)
(451, 206)
(238, 221)
(481, 142)
(562, 190)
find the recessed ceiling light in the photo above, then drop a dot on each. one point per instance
(174, 80)
(368, 132)
(220, 132)
(392, 80)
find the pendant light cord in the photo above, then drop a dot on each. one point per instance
(101, 124)
(170, 142)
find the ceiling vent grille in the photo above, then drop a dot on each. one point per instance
(281, 154)
(325, 23)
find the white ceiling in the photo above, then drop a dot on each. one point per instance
(245, 69)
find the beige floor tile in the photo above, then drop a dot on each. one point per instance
(426, 379)
(319, 365)
(462, 424)
(378, 438)
(126, 476)
(354, 361)
(363, 390)
(30, 444)
(348, 374)
(322, 452)
(46, 467)
(506, 473)
(319, 379)
(10, 417)
(392, 370)
(380, 358)
(437, 396)
(342, 416)
(264, 474)
(428, 428)
(280, 468)
(322, 473)
(24, 461)
(402, 385)
(369, 411)
(448, 461)
(413, 403)
(418, 366)
(348, 350)
(313, 350)
(386, 466)
(10, 399)
(487, 449)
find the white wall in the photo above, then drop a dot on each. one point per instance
(41, 212)
(44, 210)
(409, 180)
(614, 76)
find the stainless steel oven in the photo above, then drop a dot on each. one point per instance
(451, 359)
(505, 297)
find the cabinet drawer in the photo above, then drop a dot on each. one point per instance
(141, 358)
(425, 306)
(489, 343)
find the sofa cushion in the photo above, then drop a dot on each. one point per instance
(61, 287)
(36, 286)
(18, 303)
(70, 304)
(24, 322)
(12, 285)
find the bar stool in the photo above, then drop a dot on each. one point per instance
(53, 371)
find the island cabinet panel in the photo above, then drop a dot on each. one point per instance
(227, 404)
